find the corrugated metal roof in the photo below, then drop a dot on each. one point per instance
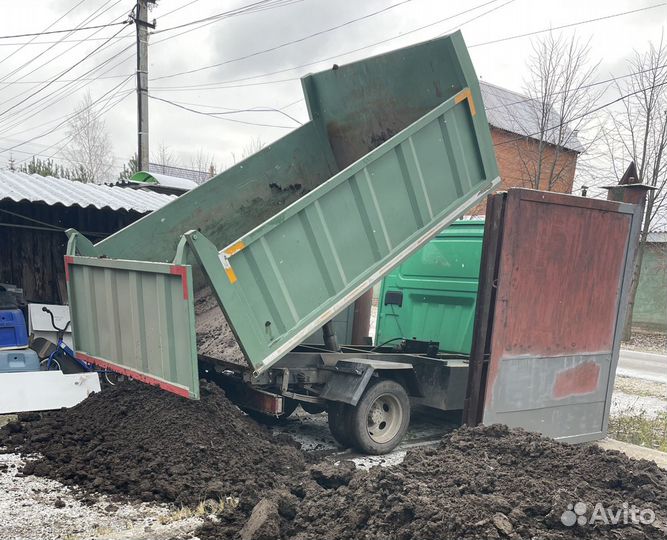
(18, 186)
(519, 114)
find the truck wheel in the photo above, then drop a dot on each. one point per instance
(381, 418)
(339, 425)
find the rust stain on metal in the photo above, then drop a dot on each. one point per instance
(559, 277)
(576, 381)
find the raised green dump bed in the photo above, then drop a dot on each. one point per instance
(398, 146)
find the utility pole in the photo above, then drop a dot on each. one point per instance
(141, 21)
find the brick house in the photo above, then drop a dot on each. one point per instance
(513, 118)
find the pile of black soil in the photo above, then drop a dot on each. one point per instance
(214, 336)
(480, 483)
(141, 442)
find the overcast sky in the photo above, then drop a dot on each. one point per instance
(225, 41)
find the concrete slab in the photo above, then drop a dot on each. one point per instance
(635, 451)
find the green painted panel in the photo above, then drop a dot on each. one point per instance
(135, 317)
(233, 202)
(650, 311)
(439, 288)
(285, 282)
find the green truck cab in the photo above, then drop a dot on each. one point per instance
(431, 296)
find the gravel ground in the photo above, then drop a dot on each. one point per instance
(35, 508)
(647, 342)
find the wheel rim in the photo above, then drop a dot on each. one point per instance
(385, 417)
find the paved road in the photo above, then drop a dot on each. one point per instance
(641, 365)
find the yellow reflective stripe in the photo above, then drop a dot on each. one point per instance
(235, 248)
(466, 94)
(231, 275)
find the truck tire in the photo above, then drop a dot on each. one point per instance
(379, 421)
(339, 424)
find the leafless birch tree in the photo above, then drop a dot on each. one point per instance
(638, 132)
(89, 149)
(556, 115)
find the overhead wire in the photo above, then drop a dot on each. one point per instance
(66, 140)
(216, 115)
(583, 115)
(44, 87)
(62, 31)
(249, 8)
(285, 44)
(272, 6)
(94, 15)
(212, 85)
(64, 121)
(22, 45)
(62, 92)
(335, 56)
(568, 25)
(581, 87)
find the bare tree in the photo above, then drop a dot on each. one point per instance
(204, 162)
(89, 150)
(556, 114)
(254, 145)
(638, 132)
(164, 156)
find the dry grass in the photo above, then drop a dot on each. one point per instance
(638, 427)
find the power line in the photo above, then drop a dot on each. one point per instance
(90, 17)
(579, 117)
(338, 55)
(259, 108)
(583, 86)
(66, 140)
(472, 19)
(64, 90)
(569, 25)
(292, 42)
(261, 5)
(73, 80)
(66, 120)
(63, 31)
(216, 115)
(283, 4)
(58, 42)
(49, 26)
(162, 16)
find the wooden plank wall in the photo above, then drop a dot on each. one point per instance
(32, 246)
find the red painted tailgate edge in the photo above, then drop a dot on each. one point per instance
(178, 390)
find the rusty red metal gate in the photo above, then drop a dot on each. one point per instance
(557, 269)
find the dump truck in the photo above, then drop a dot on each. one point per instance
(397, 147)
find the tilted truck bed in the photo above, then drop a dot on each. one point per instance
(398, 147)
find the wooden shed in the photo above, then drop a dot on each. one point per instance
(34, 213)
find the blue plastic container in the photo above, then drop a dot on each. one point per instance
(13, 331)
(12, 361)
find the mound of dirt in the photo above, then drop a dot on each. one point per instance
(139, 441)
(214, 337)
(480, 483)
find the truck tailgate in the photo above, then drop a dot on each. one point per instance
(136, 318)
